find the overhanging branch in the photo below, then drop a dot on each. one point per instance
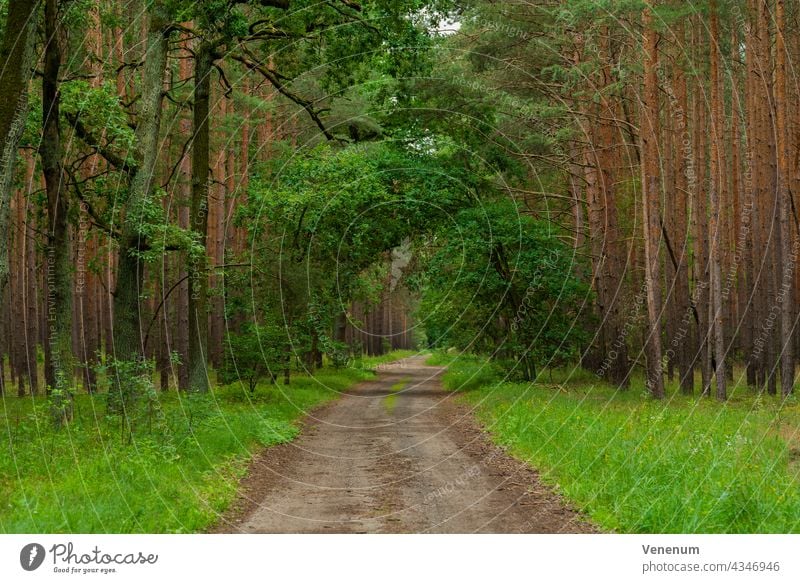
(273, 77)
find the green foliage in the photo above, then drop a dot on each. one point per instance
(258, 351)
(503, 284)
(322, 225)
(131, 396)
(61, 397)
(99, 108)
(153, 226)
(338, 353)
(345, 206)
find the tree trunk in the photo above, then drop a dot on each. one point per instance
(700, 222)
(183, 212)
(127, 317)
(684, 337)
(651, 194)
(742, 203)
(58, 286)
(717, 135)
(787, 256)
(198, 274)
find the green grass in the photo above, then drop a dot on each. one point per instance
(390, 401)
(684, 465)
(85, 478)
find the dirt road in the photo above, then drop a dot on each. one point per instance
(395, 454)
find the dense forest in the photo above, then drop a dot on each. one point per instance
(173, 175)
(254, 186)
(196, 196)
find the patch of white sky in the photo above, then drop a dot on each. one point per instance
(438, 25)
(447, 27)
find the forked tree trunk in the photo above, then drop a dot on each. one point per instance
(127, 319)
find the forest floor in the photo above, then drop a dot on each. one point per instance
(395, 454)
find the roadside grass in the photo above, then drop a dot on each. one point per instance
(375, 362)
(632, 464)
(178, 478)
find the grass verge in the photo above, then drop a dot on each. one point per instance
(683, 465)
(176, 478)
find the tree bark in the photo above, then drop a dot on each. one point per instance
(787, 257)
(681, 226)
(60, 372)
(714, 224)
(198, 273)
(700, 222)
(650, 205)
(128, 340)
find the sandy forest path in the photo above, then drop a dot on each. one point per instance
(395, 454)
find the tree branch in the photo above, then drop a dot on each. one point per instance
(274, 79)
(93, 142)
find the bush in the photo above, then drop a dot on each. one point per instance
(254, 353)
(131, 395)
(338, 353)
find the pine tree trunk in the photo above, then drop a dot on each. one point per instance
(650, 205)
(17, 56)
(30, 273)
(742, 204)
(787, 256)
(753, 267)
(700, 223)
(681, 242)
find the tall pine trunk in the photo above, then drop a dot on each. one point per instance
(650, 205)
(715, 201)
(787, 258)
(700, 218)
